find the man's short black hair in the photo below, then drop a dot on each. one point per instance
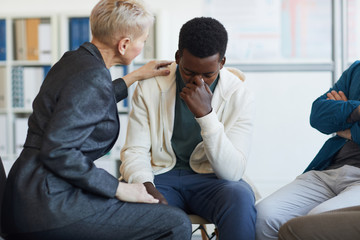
(203, 37)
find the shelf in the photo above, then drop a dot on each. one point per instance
(58, 36)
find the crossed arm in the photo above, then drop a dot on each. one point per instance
(352, 118)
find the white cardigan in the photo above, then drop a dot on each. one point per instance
(226, 131)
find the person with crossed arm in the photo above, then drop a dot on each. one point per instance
(332, 179)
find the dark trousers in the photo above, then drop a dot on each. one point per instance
(123, 221)
(227, 204)
(341, 224)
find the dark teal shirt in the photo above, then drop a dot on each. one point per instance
(186, 135)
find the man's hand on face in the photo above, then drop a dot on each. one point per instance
(197, 96)
(150, 188)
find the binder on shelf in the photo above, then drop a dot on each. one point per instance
(20, 39)
(3, 85)
(32, 38)
(2, 40)
(85, 30)
(21, 127)
(118, 72)
(44, 36)
(26, 82)
(149, 49)
(3, 130)
(32, 78)
(17, 87)
(79, 32)
(46, 70)
(115, 151)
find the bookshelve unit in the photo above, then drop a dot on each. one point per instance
(28, 47)
(22, 70)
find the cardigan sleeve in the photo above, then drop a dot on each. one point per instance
(227, 146)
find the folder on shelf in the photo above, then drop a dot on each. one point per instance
(21, 127)
(17, 87)
(115, 151)
(26, 82)
(20, 39)
(32, 38)
(44, 40)
(32, 78)
(149, 51)
(85, 30)
(2, 40)
(3, 135)
(3, 85)
(79, 32)
(118, 72)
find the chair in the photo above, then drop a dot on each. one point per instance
(2, 188)
(195, 219)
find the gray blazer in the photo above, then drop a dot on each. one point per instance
(54, 182)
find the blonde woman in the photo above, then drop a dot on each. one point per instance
(54, 190)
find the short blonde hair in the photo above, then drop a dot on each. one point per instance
(112, 20)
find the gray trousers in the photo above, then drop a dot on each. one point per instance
(123, 221)
(341, 224)
(310, 193)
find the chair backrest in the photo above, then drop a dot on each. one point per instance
(237, 73)
(2, 187)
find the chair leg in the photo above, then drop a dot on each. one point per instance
(204, 235)
(216, 233)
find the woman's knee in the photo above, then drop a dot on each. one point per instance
(180, 223)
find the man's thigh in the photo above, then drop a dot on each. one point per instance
(294, 199)
(349, 197)
(168, 185)
(211, 197)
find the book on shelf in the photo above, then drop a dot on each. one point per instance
(21, 127)
(2, 39)
(115, 151)
(79, 29)
(32, 39)
(3, 85)
(44, 35)
(17, 87)
(26, 82)
(20, 39)
(119, 71)
(149, 49)
(3, 130)
(33, 77)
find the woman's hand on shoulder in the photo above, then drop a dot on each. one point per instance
(151, 69)
(134, 192)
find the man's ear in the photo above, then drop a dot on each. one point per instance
(222, 63)
(177, 56)
(123, 45)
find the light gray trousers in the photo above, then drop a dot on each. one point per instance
(310, 193)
